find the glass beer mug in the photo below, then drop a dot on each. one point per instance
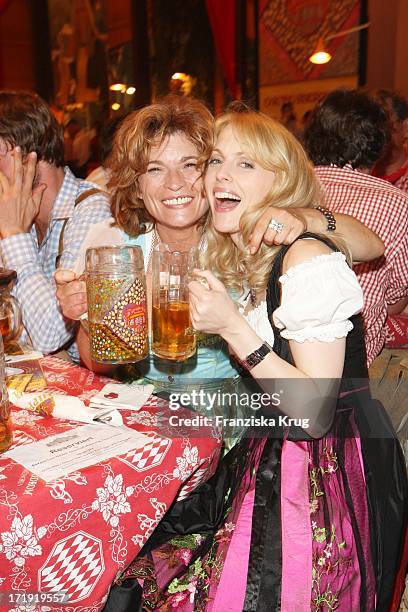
(10, 313)
(172, 335)
(117, 311)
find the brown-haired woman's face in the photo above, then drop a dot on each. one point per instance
(172, 186)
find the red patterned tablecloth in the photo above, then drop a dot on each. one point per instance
(73, 535)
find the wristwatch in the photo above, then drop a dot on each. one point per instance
(331, 221)
(256, 357)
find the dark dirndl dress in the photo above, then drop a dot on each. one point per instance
(357, 506)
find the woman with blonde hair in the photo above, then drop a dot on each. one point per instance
(303, 514)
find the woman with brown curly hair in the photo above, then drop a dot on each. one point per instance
(158, 196)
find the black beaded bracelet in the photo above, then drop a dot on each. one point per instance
(331, 221)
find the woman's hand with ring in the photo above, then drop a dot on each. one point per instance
(277, 226)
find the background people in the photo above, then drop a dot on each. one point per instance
(39, 219)
(393, 164)
(101, 174)
(77, 147)
(344, 138)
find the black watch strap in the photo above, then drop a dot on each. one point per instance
(257, 356)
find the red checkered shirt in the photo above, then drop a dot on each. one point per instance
(384, 209)
(402, 182)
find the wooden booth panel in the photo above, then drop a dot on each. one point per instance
(16, 47)
(119, 19)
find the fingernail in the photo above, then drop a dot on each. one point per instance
(17, 149)
(252, 250)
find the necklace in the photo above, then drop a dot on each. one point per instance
(252, 297)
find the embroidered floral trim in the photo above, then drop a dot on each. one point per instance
(193, 587)
(328, 465)
(330, 557)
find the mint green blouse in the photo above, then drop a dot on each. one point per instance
(211, 360)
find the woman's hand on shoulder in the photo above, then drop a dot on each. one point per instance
(71, 294)
(293, 225)
(211, 308)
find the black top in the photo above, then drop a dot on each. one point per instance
(355, 364)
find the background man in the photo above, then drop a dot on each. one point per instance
(393, 165)
(45, 214)
(345, 137)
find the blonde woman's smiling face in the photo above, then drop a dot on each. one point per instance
(234, 182)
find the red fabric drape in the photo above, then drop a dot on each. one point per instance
(222, 16)
(4, 4)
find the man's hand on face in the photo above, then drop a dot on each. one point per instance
(19, 199)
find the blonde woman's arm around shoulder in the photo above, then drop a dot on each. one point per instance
(363, 244)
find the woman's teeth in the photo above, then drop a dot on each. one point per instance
(226, 201)
(225, 195)
(177, 201)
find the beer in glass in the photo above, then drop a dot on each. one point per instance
(172, 335)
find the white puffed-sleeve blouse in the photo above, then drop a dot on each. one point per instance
(318, 298)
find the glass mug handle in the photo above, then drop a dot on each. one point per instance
(190, 331)
(15, 316)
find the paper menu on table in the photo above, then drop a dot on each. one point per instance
(59, 455)
(24, 372)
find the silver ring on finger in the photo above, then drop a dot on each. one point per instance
(275, 225)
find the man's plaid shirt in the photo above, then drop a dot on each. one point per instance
(35, 265)
(384, 209)
(402, 182)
